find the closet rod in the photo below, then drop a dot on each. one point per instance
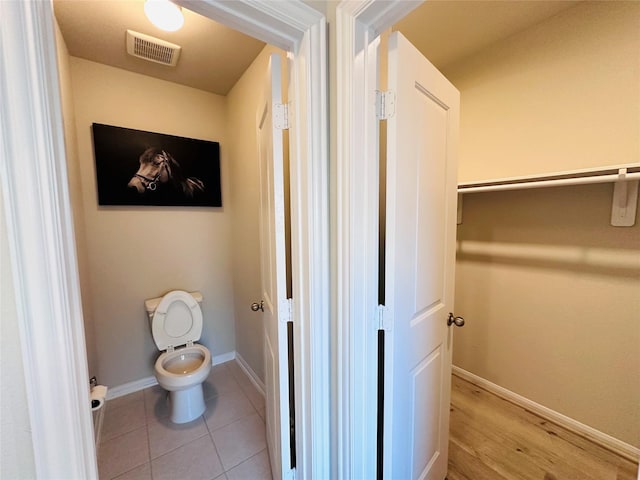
(551, 183)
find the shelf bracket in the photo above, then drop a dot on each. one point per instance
(625, 201)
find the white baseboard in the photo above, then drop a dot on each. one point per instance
(252, 375)
(137, 385)
(131, 387)
(607, 441)
(225, 357)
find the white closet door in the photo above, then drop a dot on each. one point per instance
(273, 258)
(420, 257)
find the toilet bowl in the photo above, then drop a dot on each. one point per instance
(176, 324)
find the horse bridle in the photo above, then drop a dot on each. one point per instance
(151, 183)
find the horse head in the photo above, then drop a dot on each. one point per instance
(154, 168)
(158, 167)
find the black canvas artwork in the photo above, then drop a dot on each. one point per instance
(135, 167)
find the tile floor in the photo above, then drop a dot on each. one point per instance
(226, 443)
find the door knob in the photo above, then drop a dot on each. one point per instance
(457, 321)
(255, 306)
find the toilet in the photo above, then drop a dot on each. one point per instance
(176, 325)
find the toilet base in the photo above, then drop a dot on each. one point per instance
(186, 405)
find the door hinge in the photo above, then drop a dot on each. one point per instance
(384, 319)
(285, 310)
(281, 116)
(385, 104)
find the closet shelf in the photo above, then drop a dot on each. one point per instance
(625, 192)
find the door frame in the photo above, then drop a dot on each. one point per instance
(42, 244)
(358, 26)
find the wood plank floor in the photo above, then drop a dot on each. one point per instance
(492, 439)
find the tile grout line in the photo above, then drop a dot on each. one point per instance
(247, 459)
(215, 447)
(122, 434)
(146, 424)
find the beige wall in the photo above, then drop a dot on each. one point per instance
(562, 95)
(136, 253)
(16, 454)
(551, 295)
(242, 106)
(550, 291)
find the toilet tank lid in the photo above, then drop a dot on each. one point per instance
(152, 303)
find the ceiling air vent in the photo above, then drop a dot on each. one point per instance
(152, 49)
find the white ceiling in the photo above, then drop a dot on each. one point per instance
(214, 57)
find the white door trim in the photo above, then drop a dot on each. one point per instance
(357, 242)
(41, 241)
(358, 25)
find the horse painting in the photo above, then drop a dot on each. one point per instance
(157, 168)
(140, 168)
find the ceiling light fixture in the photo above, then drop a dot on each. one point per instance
(164, 14)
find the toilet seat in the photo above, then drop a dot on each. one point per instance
(177, 321)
